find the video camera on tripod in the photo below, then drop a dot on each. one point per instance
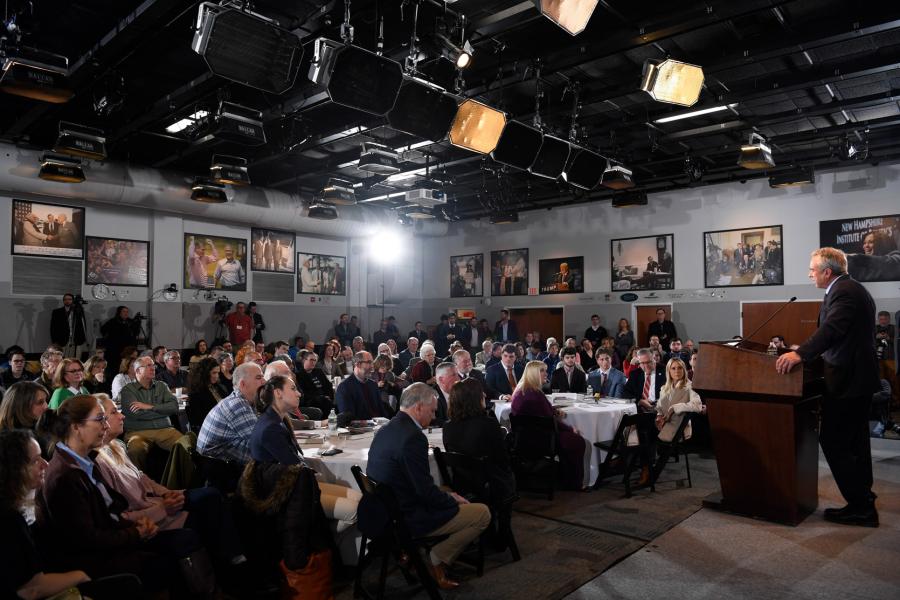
(222, 306)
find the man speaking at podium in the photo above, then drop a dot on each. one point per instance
(844, 341)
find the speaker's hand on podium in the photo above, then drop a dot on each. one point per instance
(787, 361)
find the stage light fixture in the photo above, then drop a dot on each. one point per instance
(229, 170)
(694, 169)
(617, 177)
(629, 199)
(35, 74)
(423, 109)
(419, 213)
(504, 217)
(324, 212)
(61, 169)
(672, 81)
(518, 145)
(338, 191)
(551, 158)
(586, 169)
(756, 154)
(793, 178)
(79, 140)
(404, 220)
(355, 77)
(247, 48)
(378, 159)
(208, 191)
(239, 124)
(571, 15)
(477, 127)
(460, 56)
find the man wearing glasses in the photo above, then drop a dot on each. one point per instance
(644, 383)
(16, 371)
(358, 398)
(148, 405)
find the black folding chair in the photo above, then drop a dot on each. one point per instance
(618, 452)
(395, 540)
(533, 446)
(673, 450)
(468, 477)
(217, 473)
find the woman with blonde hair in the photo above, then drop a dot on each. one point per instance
(67, 381)
(529, 399)
(95, 375)
(676, 397)
(126, 374)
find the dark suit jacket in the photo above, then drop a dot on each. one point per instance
(595, 336)
(351, 398)
(482, 437)
(59, 327)
(405, 356)
(316, 388)
(844, 340)
(634, 387)
(665, 331)
(479, 377)
(344, 334)
(441, 343)
(496, 380)
(420, 335)
(614, 386)
(466, 339)
(559, 381)
(512, 333)
(399, 458)
(440, 415)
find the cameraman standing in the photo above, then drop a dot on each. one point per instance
(240, 325)
(67, 326)
(119, 333)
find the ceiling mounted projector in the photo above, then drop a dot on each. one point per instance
(756, 154)
(79, 140)
(61, 168)
(425, 197)
(208, 191)
(35, 74)
(325, 212)
(338, 191)
(378, 159)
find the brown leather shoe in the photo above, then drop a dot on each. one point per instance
(645, 475)
(439, 573)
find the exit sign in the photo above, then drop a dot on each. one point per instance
(532, 291)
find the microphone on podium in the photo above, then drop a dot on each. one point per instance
(766, 322)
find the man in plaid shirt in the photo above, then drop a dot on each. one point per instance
(225, 433)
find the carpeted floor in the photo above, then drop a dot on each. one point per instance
(715, 555)
(567, 542)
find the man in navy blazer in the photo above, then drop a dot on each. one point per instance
(845, 341)
(634, 387)
(505, 330)
(399, 458)
(358, 397)
(607, 380)
(496, 377)
(568, 378)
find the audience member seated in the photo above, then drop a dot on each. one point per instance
(23, 406)
(501, 377)
(80, 517)
(496, 353)
(606, 380)
(272, 441)
(172, 375)
(204, 392)
(676, 350)
(279, 367)
(645, 382)
(445, 377)
(552, 359)
(388, 383)
(226, 367)
(630, 361)
(463, 361)
(95, 381)
(481, 358)
(67, 381)
(609, 344)
(676, 398)
(586, 356)
(199, 509)
(424, 370)
(411, 351)
(329, 364)
(225, 434)
(398, 458)
(473, 432)
(569, 378)
(315, 384)
(201, 351)
(16, 371)
(528, 399)
(358, 397)
(126, 375)
(50, 359)
(148, 405)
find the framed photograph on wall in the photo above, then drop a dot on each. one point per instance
(743, 257)
(40, 229)
(271, 250)
(509, 272)
(466, 275)
(215, 263)
(643, 263)
(116, 262)
(872, 245)
(321, 274)
(561, 275)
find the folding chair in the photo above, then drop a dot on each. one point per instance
(533, 446)
(618, 448)
(673, 449)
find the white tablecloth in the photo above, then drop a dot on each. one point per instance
(595, 422)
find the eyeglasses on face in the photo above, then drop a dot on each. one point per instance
(97, 419)
(74, 371)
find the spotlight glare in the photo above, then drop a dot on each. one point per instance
(477, 127)
(571, 15)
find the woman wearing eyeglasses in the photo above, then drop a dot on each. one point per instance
(67, 381)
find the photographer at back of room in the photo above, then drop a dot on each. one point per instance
(118, 333)
(239, 323)
(67, 326)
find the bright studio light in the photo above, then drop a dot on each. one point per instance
(388, 246)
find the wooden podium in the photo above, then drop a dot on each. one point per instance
(763, 432)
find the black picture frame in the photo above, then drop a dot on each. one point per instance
(103, 275)
(872, 245)
(507, 276)
(72, 249)
(561, 275)
(630, 269)
(261, 263)
(468, 283)
(760, 267)
(329, 270)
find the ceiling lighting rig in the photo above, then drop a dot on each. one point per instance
(672, 81)
(31, 72)
(230, 170)
(571, 15)
(756, 153)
